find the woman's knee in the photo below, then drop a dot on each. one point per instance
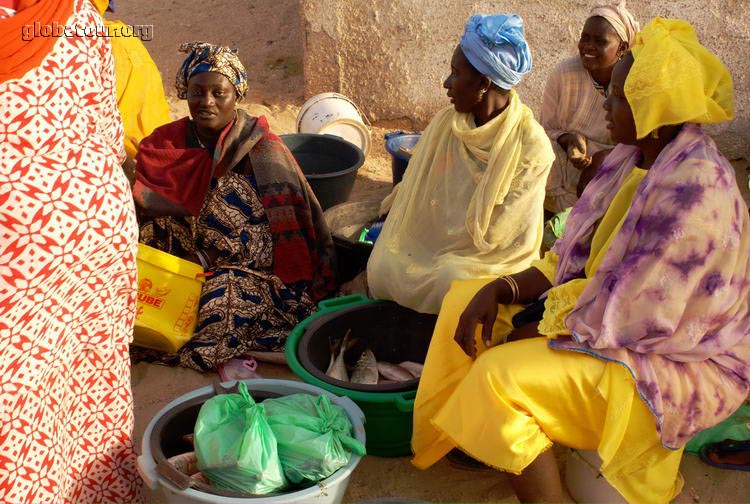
(511, 364)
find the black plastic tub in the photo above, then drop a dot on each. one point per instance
(346, 221)
(329, 163)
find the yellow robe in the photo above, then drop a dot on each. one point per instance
(140, 93)
(516, 399)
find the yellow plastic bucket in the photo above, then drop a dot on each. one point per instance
(169, 289)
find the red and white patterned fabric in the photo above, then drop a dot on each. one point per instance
(68, 239)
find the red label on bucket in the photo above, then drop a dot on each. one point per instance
(145, 296)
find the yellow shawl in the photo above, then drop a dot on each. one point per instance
(140, 93)
(470, 206)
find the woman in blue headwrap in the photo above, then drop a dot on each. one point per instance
(641, 340)
(470, 204)
(221, 190)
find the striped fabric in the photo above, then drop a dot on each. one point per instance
(571, 104)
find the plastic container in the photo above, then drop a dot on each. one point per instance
(346, 221)
(394, 334)
(334, 114)
(584, 481)
(399, 160)
(329, 163)
(163, 439)
(169, 290)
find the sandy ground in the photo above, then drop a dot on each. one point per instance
(271, 41)
(380, 478)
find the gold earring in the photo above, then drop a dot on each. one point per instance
(655, 134)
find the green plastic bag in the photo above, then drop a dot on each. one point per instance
(235, 447)
(314, 436)
(554, 228)
(736, 428)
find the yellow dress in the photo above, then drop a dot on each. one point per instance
(140, 93)
(516, 399)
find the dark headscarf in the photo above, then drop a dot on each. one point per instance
(205, 57)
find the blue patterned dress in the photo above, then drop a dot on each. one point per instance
(243, 305)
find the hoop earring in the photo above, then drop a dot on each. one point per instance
(655, 134)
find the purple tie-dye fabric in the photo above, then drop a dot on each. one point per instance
(670, 298)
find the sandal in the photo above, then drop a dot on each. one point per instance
(460, 460)
(721, 448)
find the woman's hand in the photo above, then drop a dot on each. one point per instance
(482, 309)
(575, 145)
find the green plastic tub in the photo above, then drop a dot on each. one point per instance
(394, 334)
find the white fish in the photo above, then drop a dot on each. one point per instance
(186, 463)
(336, 367)
(199, 476)
(394, 372)
(414, 368)
(366, 369)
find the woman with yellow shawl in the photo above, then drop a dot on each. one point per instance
(643, 339)
(471, 202)
(140, 93)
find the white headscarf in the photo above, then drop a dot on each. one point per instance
(620, 18)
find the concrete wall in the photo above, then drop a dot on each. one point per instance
(391, 56)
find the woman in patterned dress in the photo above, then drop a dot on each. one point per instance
(68, 238)
(223, 191)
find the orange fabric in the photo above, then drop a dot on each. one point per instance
(18, 56)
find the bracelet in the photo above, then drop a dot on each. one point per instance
(203, 259)
(515, 294)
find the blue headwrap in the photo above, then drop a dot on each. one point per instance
(205, 57)
(496, 47)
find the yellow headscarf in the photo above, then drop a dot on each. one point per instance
(101, 5)
(674, 79)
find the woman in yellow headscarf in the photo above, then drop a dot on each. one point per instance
(643, 336)
(140, 93)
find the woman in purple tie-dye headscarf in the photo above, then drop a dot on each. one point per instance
(648, 290)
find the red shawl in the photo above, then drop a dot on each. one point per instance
(171, 169)
(177, 175)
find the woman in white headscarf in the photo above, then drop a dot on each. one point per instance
(572, 110)
(471, 203)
